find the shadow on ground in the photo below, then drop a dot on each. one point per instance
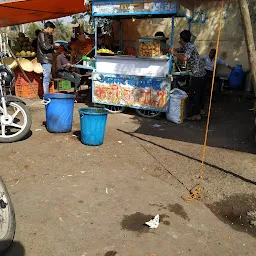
(215, 167)
(16, 249)
(231, 127)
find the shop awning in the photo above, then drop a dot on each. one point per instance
(25, 11)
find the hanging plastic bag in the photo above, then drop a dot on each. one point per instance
(177, 106)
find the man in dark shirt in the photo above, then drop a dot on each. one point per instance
(45, 49)
(189, 53)
(64, 69)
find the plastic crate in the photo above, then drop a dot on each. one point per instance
(20, 79)
(64, 85)
(22, 87)
(26, 91)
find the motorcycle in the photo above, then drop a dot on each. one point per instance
(7, 219)
(15, 124)
(15, 118)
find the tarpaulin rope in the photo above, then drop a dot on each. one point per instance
(196, 194)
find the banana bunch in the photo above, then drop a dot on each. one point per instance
(149, 49)
(107, 51)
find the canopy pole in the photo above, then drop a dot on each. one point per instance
(120, 35)
(96, 37)
(211, 96)
(172, 34)
(195, 193)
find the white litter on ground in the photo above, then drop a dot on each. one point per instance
(154, 223)
(156, 125)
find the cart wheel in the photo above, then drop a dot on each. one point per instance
(148, 113)
(114, 109)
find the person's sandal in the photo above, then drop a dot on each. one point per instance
(202, 112)
(195, 118)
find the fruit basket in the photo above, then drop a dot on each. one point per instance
(23, 47)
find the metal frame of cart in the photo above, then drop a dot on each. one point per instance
(142, 83)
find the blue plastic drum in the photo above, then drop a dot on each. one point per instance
(236, 77)
(59, 112)
(93, 125)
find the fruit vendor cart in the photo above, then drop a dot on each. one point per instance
(143, 81)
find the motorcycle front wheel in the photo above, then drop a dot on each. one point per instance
(7, 219)
(18, 124)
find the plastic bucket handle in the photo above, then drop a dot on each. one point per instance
(46, 102)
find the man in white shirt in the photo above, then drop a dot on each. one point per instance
(209, 62)
(209, 66)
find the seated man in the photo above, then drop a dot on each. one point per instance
(64, 69)
(209, 62)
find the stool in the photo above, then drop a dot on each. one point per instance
(222, 82)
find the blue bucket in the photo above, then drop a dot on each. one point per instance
(236, 77)
(93, 125)
(59, 112)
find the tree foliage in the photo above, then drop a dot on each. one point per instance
(62, 31)
(30, 31)
(82, 20)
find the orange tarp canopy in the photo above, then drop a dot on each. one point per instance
(20, 12)
(15, 12)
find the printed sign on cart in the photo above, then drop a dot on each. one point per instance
(131, 91)
(137, 7)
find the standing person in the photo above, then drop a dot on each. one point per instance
(189, 53)
(34, 42)
(45, 49)
(64, 69)
(163, 42)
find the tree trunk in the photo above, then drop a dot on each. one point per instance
(248, 32)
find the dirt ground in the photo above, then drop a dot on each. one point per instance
(72, 199)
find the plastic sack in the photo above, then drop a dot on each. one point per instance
(177, 106)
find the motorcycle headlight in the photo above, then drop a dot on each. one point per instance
(7, 75)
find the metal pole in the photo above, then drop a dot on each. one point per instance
(172, 32)
(96, 37)
(171, 44)
(120, 36)
(189, 24)
(5, 40)
(1, 43)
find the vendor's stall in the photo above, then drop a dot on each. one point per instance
(143, 81)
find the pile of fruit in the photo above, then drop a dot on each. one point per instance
(105, 51)
(22, 47)
(149, 49)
